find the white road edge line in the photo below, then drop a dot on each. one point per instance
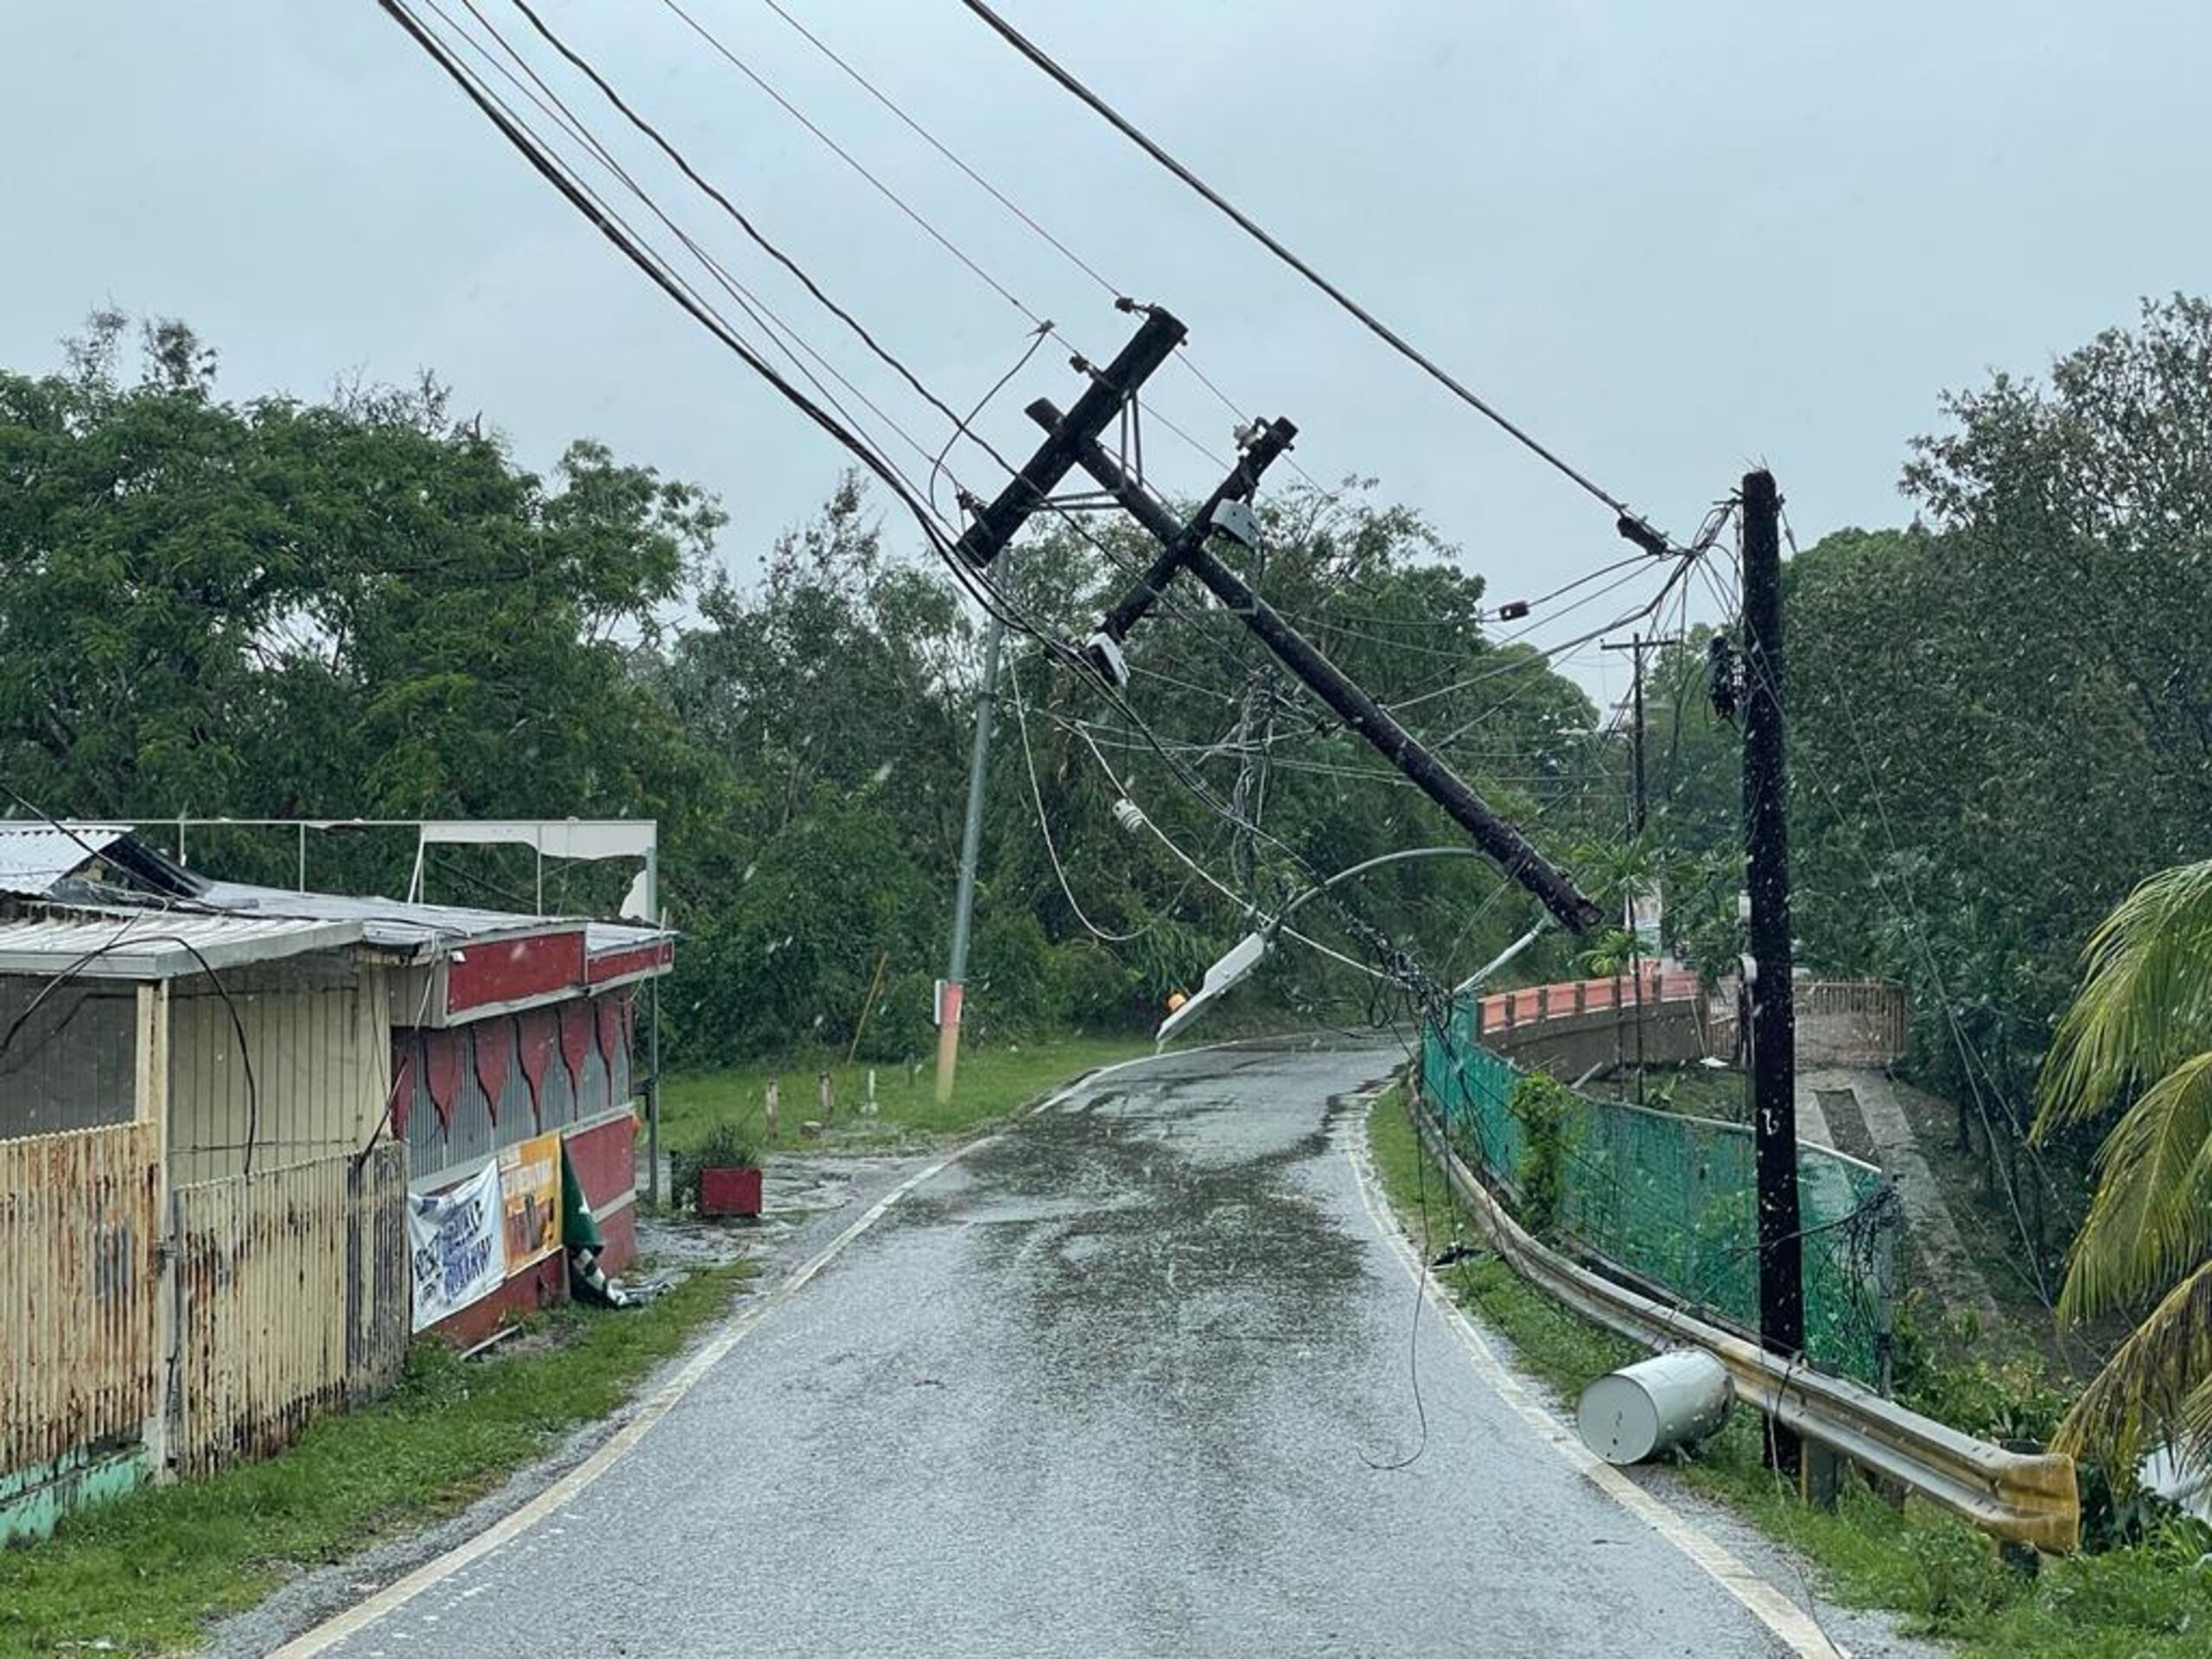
(563, 1491)
(1789, 1623)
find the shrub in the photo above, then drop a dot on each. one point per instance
(1545, 1109)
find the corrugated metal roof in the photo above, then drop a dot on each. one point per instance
(33, 857)
(390, 924)
(396, 925)
(160, 944)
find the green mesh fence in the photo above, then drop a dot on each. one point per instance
(1671, 1201)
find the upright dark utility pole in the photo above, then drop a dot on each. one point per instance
(1635, 645)
(1773, 1017)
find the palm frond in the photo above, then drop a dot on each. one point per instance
(2151, 1219)
(2153, 1385)
(2193, 1437)
(2146, 1000)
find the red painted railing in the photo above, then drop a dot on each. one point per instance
(1504, 1010)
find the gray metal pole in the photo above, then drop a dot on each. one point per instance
(971, 836)
(652, 1035)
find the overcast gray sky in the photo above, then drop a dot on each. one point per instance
(1669, 239)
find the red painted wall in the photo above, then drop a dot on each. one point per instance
(507, 971)
(615, 964)
(606, 1160)
(543, 1284)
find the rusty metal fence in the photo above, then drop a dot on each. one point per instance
(292, 1300)
(79, 1296)
(1851, 1022)
(1839, 1021)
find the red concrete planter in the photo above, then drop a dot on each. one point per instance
(729, 1193)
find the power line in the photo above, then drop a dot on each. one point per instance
(728, 207)
(1044, 830)
(575, 128)
(1112, 291)
(1630, 525)
(515, 129)
(625, 242)
(779, 334)
(932, 140)
(855, 162)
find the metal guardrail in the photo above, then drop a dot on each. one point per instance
(2022, 1497)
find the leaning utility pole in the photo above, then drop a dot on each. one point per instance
(995, 522)
(1072, 440)
(1772, 1014)
(1186, 547)
(971, 838)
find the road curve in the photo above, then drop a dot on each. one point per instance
(1130, 1379)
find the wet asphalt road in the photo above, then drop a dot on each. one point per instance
(1114, 1384)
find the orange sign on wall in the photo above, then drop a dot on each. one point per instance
(530, 1188)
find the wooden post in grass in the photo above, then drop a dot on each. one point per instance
(868, 1007)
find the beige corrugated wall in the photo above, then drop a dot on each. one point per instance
(319, 1047)
(292, 1301)
(80, 1233)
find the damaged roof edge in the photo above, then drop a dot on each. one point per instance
(107, 867)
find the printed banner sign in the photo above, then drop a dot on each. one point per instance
(454, 1246)
(529, 1190)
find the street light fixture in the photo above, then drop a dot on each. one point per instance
(1248, 952)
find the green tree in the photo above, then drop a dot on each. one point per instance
(355, 608)
(2139, 1037)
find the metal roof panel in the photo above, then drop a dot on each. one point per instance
(143, 945)
(35, 856)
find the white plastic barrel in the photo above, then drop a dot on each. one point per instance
(1654, 1405)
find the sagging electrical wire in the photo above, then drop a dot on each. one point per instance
(1238, 412)
(1123, 791)
(960, 424)
(1044, 830)
(1630, 525)
(127, 939)
(556, 175)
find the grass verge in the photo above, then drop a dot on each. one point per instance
(992, 1083)
(145, 1574)
(2150, 1601)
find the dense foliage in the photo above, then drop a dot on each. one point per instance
(364, 607)
(2000, 722)
(2002, 715)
